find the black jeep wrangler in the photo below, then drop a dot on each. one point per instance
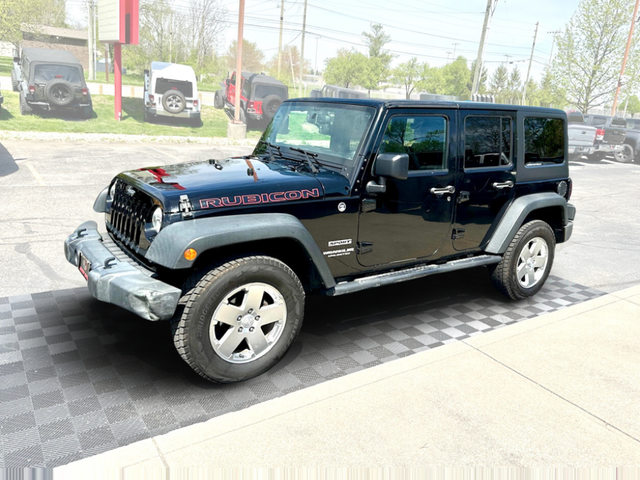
(50, 80)
(260, 98)
(391, 191)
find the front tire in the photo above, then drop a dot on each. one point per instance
(526, 264)
(240, 318)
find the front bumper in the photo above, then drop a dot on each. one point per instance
(119, 282)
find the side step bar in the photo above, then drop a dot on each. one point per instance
(410, 274)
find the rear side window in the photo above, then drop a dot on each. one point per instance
(543, 141)
(487, 142)
(164, 84)
(423, 138)
(618, 122)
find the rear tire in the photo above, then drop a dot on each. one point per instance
(625, 155)
(218, 101)
(526, 264)
(25, 109)
(14, 81)
(239, 319)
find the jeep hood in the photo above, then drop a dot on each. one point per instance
(246, 181)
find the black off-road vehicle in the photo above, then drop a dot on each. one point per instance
(260, 98)
(387, 192)
(50, 80)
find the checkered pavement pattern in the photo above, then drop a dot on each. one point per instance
(79, 377)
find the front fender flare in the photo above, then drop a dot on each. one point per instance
(203, 234)
(518, 212)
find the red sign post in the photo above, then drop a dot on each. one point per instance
(119, 25)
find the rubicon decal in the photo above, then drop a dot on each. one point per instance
(259, 198)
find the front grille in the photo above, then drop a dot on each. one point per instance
(130, 211)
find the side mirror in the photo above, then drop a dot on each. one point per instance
(392, 165)
(16, 60)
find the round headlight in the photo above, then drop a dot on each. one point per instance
(156, 219)
(112, 190)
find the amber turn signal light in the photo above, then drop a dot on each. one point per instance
(190, 254)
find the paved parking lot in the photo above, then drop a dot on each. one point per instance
(79, 377)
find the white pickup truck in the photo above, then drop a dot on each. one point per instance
(171, 90)
(581, 137)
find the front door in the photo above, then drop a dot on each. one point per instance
(487, 181)
(412, 219)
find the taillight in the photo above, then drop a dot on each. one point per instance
(600, 134)
(85, 91)
(195, 103)
(32, 89)
(152, 99)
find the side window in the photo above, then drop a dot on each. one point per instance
(423, 138)
(543, 141)
(487, 142)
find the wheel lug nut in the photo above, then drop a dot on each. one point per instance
(239, 318)
(251, 329)
(240, 330)
(251, 310)
(257, 317)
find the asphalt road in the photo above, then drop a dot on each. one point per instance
(48, 189)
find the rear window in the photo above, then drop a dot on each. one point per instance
(599, 121)
(263, 91)
(46, 73)
(543, 141)
(164, 84)
(619, 122)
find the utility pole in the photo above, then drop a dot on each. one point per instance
(533, 47)
(553, 44)
(304, 28)
(95, 40)
(280, 43)
(90, 38)
(106, 62)
(507, 57)
(626, 57)
(491, 6)
(315, 67)
(455, 47)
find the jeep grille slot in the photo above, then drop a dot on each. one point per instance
(130, 210)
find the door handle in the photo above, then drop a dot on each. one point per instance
(502, 186)
(442, 191)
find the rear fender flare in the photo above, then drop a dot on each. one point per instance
(518, 212)
(204, 234)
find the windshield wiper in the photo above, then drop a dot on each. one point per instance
(263, 142)
(308, 156)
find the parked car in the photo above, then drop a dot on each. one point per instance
(50, 80)
(171, 90)
(631, 151)
(260, 97)
(610, 135)
(582, 137)
(227, 250)
(333, 91)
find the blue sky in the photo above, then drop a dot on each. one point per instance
(429, 30)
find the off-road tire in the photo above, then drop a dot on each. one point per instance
(270, 106)
(504, 274)
(59, 92)
(174, 101)
(625, 155)
(204, 291)
(218, 101)
(14, 81)
(25, 109)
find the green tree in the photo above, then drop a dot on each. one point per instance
(590, 52)
(411, 76)
(252, 56)
(484, 78)
(551, 94)
(499, 81)
(289, 67)
(15, 13)
(632, 104)
(347, 69)
(380, 60)
(514, 84)
(456, 76)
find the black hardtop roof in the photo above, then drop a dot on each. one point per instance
(378, 103)
(46, 55)
(261, 78)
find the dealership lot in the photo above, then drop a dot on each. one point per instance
(80, 377)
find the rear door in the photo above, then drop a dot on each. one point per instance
(486, 184)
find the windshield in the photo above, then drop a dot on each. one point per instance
(334, 132)
(46, 73)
